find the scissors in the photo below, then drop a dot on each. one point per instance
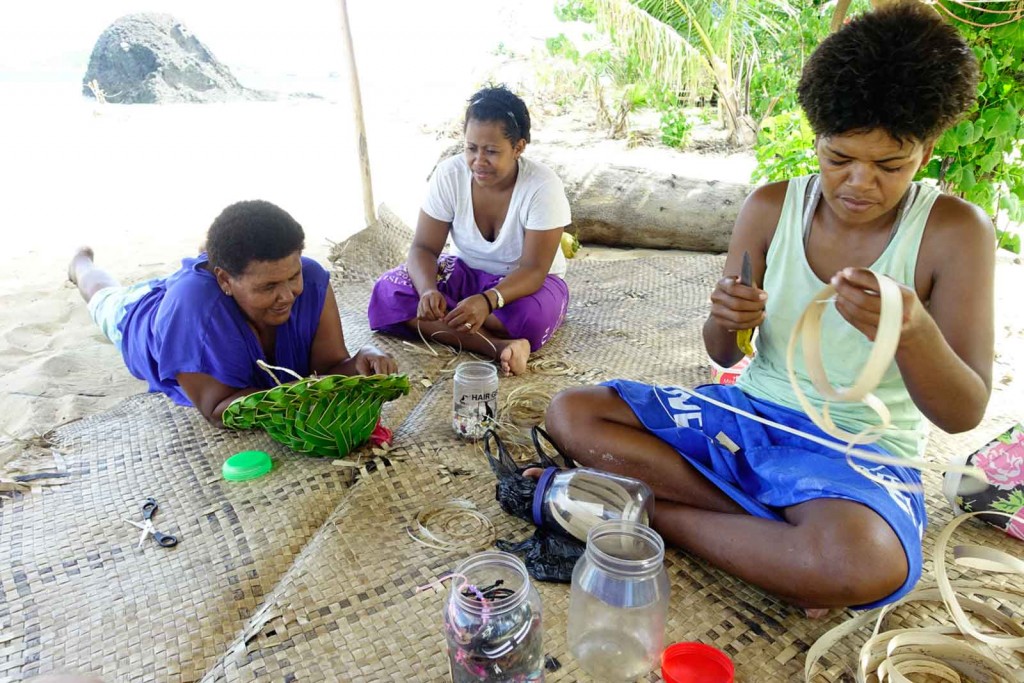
(148, 509)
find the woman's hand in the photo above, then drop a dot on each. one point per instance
(432, 305)
(469, 315)
(371, 361)
(736, 306)
(857, 300)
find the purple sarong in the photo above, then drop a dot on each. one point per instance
(534, 317)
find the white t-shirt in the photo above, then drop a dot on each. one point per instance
(538, 203)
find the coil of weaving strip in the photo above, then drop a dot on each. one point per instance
(321, 416)
(808, 333)
(944, 652)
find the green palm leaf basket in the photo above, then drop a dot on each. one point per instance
(320, 416)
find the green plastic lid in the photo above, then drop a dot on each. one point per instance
(246, 465)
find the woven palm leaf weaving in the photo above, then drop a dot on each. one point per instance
(326, 416)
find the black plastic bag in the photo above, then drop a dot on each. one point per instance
(515, 492)
(549, 555)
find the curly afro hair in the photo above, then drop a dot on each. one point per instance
(900, 68)
(252, 231)
(498, 103)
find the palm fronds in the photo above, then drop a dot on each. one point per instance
(689, 44)
(325, 416)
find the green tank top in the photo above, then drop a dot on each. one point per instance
(791, 283)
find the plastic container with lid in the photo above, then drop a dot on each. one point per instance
(576, 500)
(492, 621)
(720, 375)
(618, 602)
(474, 398)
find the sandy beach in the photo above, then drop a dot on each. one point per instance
(141, 183)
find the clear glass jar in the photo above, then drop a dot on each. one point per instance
(618, 602)
(576, 500)
(492, 621)
(474, 398)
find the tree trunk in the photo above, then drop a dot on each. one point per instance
(839, 14)
(621, 205)
(742, 128)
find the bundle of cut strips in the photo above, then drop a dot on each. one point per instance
(321, 416)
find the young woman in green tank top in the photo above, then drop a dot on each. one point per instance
(788, 518)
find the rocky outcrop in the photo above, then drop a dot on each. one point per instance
(154, 58)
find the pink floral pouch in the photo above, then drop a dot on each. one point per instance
(1002, 460)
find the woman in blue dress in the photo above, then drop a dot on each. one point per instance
(197, 334)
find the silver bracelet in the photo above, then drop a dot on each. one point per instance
(501, 299)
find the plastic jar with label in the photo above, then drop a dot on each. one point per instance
(474, 398)
(576, 500)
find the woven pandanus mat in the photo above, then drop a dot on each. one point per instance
(300, 577)
(350, 609)
(75, 592)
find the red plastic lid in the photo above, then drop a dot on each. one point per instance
(695, 663)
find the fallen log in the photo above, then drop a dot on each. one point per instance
(622, 205)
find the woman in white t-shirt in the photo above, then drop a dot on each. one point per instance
(500, 291)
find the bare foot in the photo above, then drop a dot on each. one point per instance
(816, 612)
(513, 356)
(83, 258)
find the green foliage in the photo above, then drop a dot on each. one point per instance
(981, 158)
(785, 141)
(675, 128)
(690, 47)
(639, 95)
(575, 10)
(785, 147)
(561, 46)
(620, 67)
(616, 75)
(773, 84)
(783, 54)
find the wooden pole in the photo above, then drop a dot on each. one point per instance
(357, 109)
